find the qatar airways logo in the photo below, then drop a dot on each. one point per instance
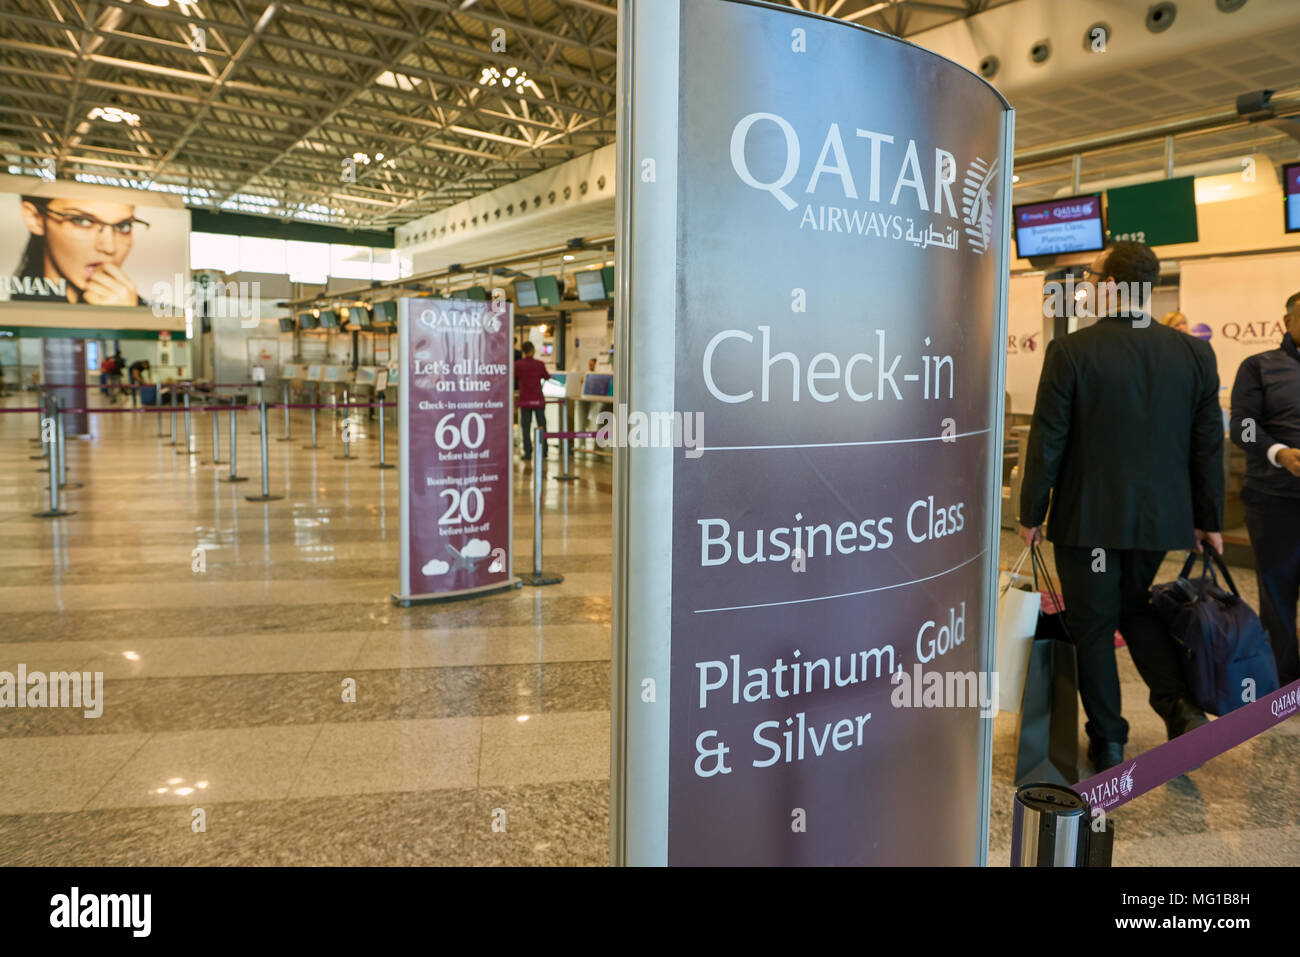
(888, 172)
(1112, 790)
(1286, 703)
(460, 319)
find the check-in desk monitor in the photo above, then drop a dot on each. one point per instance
(598, 385)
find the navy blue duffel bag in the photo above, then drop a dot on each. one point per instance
(1220, 638)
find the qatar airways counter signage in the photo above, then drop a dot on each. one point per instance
(454, 419)
(833, 221)
(1059, 226)
(1291, 186)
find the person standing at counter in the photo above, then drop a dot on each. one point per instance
(1127, 445)
(141, 375)
(529, 373)
(1266, 425)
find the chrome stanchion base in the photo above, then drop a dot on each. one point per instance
(235, 478)
(264, 498)
(52, 513)
(43, 455)
(541, 578)
(316, 446)
(284, 438)
(347, 457)
(565, 478)
(68, 485)
(383, 465)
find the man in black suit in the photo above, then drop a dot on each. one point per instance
(1127, 444)
(1266, 423)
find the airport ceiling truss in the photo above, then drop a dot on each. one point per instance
(361, 113)
(356, 112)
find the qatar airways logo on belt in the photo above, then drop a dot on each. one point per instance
(878, 163)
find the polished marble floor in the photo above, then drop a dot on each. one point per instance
(225, 684)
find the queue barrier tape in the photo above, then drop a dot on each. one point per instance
(1187, 752)
(153, 410)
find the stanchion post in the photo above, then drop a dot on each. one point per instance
(382, 464)
(189, 433)
(158, 406)
(259, 402)
(216, 433)
(50, 429)
(347, 437)
(315, 401)
(266, 495)
(285, 392)
(172, 394)
(538, 577)
(60, 436)
(42, 417)
(234, 446)
(566, 475)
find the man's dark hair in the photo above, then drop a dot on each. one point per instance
(1130, 262)
(528, 348)
(1291, 301)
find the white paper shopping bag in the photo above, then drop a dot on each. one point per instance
(1018, 606)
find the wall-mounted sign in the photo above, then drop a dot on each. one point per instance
(103, 248)
(817, 256)
(1291, 190)
(455, 417)
(1159, 214)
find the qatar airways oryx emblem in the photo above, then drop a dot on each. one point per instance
(977, 203)
(1126, 780)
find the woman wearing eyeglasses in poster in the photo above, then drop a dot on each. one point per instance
(76, 251)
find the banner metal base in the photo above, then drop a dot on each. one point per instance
(536, 579)
(408, 601)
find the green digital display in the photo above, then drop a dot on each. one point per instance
(1159, 214)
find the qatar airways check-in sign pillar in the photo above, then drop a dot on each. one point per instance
(454, 421)
(814, 242)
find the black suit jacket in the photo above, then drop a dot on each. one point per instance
(1128, 435)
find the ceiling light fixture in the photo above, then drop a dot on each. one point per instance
(113, 114)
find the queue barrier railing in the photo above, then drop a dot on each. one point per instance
(53, 439)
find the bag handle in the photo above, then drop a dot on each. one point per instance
(1014, 571)
(1040, 564)
(1207, 571)
(1223, 567)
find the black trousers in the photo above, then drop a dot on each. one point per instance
(1103, 592)
(1274, 525)
(528, 419)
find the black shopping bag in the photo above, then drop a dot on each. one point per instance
(1047, 746)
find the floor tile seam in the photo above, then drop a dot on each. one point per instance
(108, 779)
(343, 671)
(297, 775)
(480, 715)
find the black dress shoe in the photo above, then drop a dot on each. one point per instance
(1184, 717)
(1104, 755)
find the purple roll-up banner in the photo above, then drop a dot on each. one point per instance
(455, 420)
(813, 251)
(1150, 769)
